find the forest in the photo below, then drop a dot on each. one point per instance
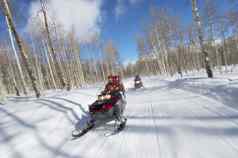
(50, 58)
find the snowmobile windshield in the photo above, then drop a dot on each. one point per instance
(104, 97)
(137, 78)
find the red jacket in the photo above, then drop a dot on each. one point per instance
(114, 87)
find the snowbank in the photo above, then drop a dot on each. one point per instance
(223, 89)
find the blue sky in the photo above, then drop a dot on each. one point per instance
(122, 28)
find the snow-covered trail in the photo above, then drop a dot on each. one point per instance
(162, 122)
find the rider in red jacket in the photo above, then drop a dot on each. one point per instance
(114, 85)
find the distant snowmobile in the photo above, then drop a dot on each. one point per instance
(138, 82)
(108, 107)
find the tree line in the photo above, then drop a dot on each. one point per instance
(209, 41)
(49, 58)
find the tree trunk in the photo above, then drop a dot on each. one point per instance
(23, 53)
(197, 19)
(17, 59)
(12, 75)
(58, 68)
(49, 66)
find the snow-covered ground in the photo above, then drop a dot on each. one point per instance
(192, 117)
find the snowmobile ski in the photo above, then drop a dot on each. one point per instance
(120, 128)
(77, 133)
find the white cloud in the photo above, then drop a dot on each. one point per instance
(133, 2)
(122, 6)
(83, 15)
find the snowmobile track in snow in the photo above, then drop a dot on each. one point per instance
(163, 122)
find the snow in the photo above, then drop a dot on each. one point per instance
(190, 117)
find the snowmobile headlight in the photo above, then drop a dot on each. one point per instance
(137, 82)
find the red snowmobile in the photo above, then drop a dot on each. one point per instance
(107, 108)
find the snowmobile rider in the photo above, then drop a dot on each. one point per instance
(138, 82)
(137, 78)
(114, 85)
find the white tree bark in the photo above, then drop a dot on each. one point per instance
(17, 58)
